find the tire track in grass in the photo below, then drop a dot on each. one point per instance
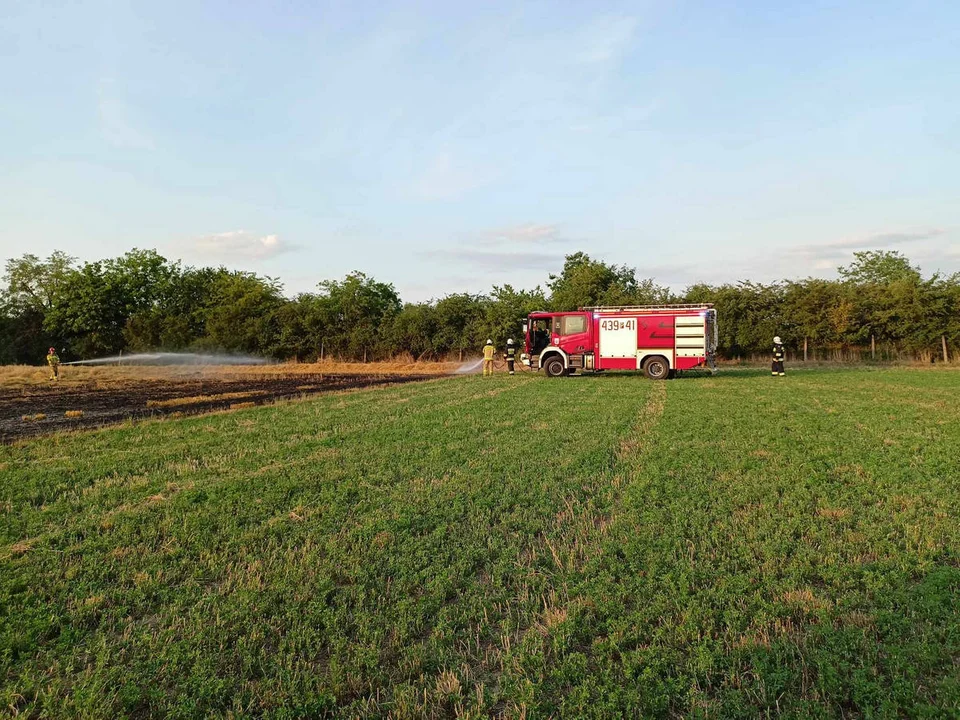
(737, 579)
(646, 423)
(572, 546)
(579, 529)
(512, 588)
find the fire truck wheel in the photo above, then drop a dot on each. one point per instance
(554, 367)
(656, 368)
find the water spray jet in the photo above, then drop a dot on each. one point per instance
(169, 358)
(469, 367)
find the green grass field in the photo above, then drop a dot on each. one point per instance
(735, 546)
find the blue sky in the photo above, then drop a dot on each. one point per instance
(450, 146)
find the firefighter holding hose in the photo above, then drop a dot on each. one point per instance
(510, 355)
(488, 352)
(53, 360)
(778, 355)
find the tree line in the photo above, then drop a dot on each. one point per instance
(141, 302)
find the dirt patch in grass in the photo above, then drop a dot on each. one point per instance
(41, 409)
(13, 377)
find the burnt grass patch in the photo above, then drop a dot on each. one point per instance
(100, 406)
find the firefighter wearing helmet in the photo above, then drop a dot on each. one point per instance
(778, 355)
(488, 352)
(53, 360)
(510, 355)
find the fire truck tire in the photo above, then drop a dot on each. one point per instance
(656, 368)
(554, 367)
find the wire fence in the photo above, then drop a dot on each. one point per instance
(852, 355)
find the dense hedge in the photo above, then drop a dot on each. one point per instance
(141, 301)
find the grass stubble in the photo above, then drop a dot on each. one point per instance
(589, 547)
(13, 377)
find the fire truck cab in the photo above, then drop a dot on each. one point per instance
(658, 340)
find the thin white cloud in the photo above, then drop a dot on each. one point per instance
(930, 248)
(497, 261)
(824, 256)
(874, 240)
(607, 39)
(668, 273)
(448, 177)
(117, 124)
(897, 238)
(240, 244)
(529, 233)
(503, 249)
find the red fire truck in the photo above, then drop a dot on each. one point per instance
(657, 339)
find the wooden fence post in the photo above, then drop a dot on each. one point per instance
(873, 347)
(943, 342)
(804, 348)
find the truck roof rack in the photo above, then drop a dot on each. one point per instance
(648, 308)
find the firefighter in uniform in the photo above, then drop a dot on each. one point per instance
(510, 355)
(778, 355)
(53, 360)
(488, 351)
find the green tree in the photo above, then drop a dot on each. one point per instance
(414, 329)
(243, 316)
(96, 302)
(885, 299)
(585, 282)
(302, 328)
(22, 336)
(359, 312)
(822, 311)
(506, 310)
(461, 324)
(37, 284)
(878, 267)
(178, 320)
(32, 287)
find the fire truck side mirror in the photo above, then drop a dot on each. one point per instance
(525, 328)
